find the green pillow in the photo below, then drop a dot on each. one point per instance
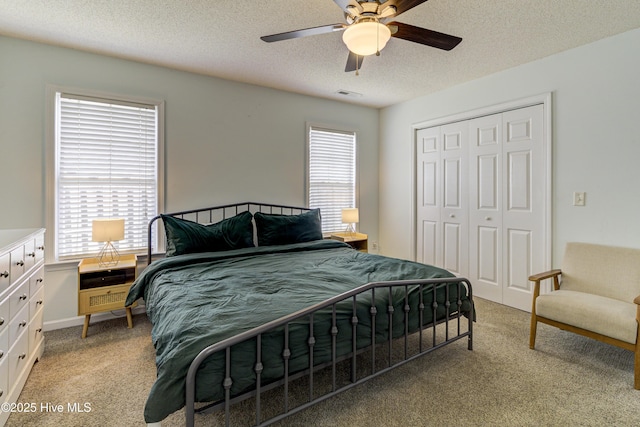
(274, 229)
(184, 236)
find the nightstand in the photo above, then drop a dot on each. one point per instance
(104, 288)
(357, 241)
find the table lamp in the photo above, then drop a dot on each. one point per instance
(350, 216)
(108, 230)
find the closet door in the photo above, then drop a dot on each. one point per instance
(442, 197)
(507, 204)
(455, 198)
(428, 195)
(482, 201)
(485, 202)
(523, 192)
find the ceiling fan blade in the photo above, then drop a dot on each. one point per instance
(354, 62)
(424, 36)
(303, 33)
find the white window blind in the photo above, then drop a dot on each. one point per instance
(331, 174)
(106, 167)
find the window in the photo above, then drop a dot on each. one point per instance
(331, 174)
(106, 165)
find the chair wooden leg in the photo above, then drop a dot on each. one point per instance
(636, 364)
(636, 370)
(532, 333)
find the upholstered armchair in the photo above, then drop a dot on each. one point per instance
(596, 293)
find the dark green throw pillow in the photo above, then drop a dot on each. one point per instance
(274, 229)
(184, 236)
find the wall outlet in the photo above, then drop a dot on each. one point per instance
(374, 246)
(579, 198)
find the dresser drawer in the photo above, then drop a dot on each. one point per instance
(36, 303)
(19, 299)
(17, 268)
(4, 314)
(18, 325)
(39, 247)
(36, 281)
(18, 357)
(29, 254)
(4, 345)
(35, 331)
(4, 378)
(5, 272)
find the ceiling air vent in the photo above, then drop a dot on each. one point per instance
(349, 93)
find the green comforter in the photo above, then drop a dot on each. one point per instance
(199, 299)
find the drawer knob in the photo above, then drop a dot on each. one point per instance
(20, 263)
(23, 297)
(40, 248)
(4, 274)
(23, 323)
(32, 254)
(1, 321)
(22, 356)
(39, 302)
(1, 393)
(39, 330)
(39, 280)
(1, 354)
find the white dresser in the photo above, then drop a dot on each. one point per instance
(21, 309)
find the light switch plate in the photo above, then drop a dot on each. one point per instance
(579, 198)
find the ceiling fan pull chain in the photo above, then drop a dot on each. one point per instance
(357, 70)
(378, 40)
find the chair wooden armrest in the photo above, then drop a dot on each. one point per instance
(637, 300)
(537, 278)
(546, 275)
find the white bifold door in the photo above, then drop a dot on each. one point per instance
(442, 187)
(481, 202)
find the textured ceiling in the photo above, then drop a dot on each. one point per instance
(222, 38)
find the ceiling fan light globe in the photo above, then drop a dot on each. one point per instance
(366, 38)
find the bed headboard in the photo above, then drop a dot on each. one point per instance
(218, 213)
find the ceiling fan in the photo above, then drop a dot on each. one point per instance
(368, 28)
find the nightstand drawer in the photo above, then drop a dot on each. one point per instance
(102, 299)
(106, 278)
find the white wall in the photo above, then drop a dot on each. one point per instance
(225, 142)
(596, 143)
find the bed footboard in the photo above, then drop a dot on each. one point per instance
(391, 323)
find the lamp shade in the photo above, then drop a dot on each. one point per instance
(107, 229)
(350, 216)
(366, 38)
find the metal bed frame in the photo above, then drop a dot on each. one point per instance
(443, 331)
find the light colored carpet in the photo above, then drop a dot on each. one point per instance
(568, 380)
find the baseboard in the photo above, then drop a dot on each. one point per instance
(98, 317)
